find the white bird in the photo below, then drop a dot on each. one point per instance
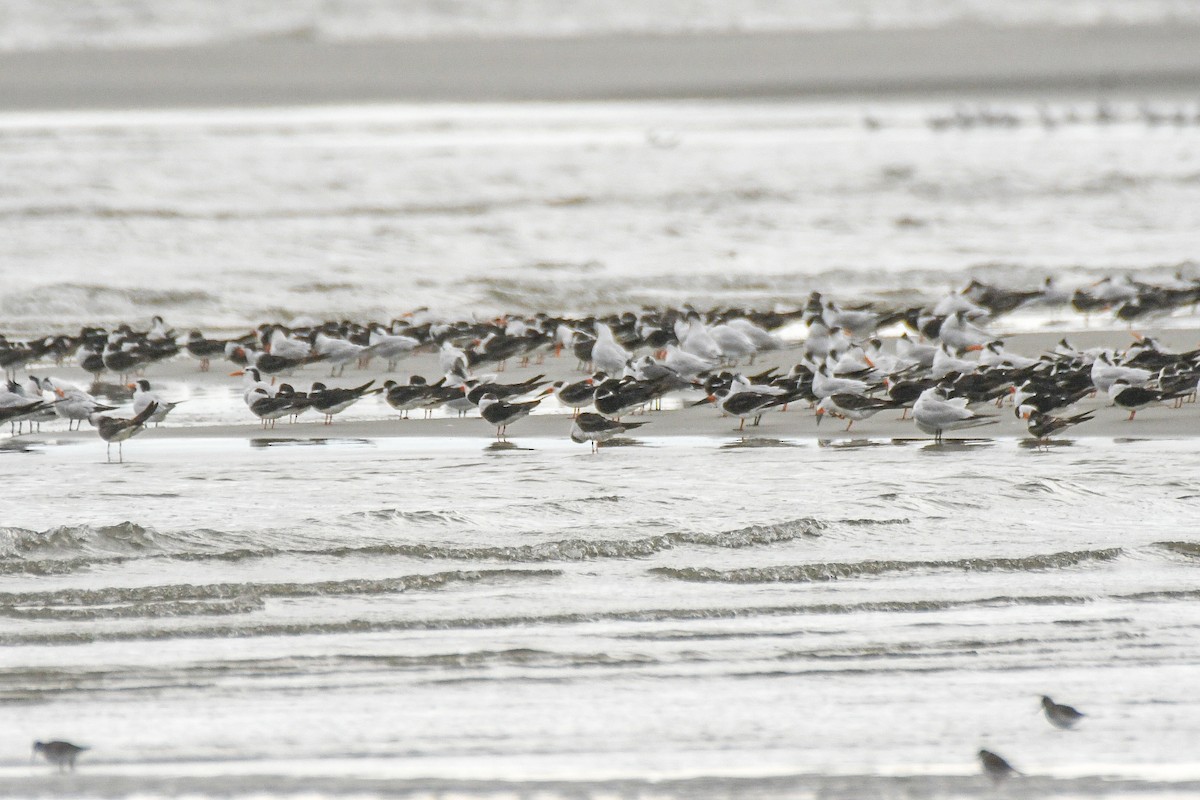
(934, 414)
(337, 352)
(77, 405)
(389, 346)
(686, 364)
(917, 353)
(958, 332)
(453, 360)
(694, 338)
(143, 396)
(996, 355)
(284, 346)
(762, 339)
(824, 384)
(733, 343)
(607, 355)
(1105, 373)
(945, 362)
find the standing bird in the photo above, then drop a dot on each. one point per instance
(330, 401)
(1043, 426)
(1135, 398)
(61, 754)
(116, 429)
(502, 414)
(589, 427)
(143, 396)
(934, 414)
(1061, 716)
(996, 767)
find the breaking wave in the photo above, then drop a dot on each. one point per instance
(806, 573)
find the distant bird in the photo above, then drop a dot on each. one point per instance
(1135, 398)
(1061, 716)
(996, 767)
(117, 429)
(61, 754)
(589, 427)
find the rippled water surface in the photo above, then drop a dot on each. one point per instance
(380, 617)
(221, 219)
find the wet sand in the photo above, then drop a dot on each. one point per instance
(981, 61)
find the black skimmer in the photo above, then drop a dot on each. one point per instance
(267, 407)
(743, 399)
(578, 395)
(331, 401)
(60, 754)
(204, 349)
(143, 396)
(996, 767)
(934, 414)
(299, 401)
(503, 391)
(589, 427)
(414, 394)
(852, 407)
(1043, 426)
(117, 429)
(1060, 716)
(502, 414)
(1135, 398)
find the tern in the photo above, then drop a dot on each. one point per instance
(934, 414)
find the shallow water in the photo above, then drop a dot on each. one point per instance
(678, 619)
(220, 219)
(41, 24)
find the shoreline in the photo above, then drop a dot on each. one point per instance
(864, 65)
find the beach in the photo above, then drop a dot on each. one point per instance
(415, 608)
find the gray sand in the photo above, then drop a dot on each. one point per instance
(868, 64)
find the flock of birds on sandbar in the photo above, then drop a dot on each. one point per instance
(947, 370)
(63, 754)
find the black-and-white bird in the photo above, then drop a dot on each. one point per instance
(1060, 716)
(996, 767)
(502, 414)
(60, 754)
(1043, 426)
(117, 429)
(330, 401)
(1135, 398)
(589, 427)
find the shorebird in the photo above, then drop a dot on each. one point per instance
(502, 414)
(852, 407)
(589, 427)
(934, 414)
(330, 401)
(1060, 716)
(117, 429)
(61, 754)
(1135, 398)
(996, 767)
(142, 397)
(1043, 426)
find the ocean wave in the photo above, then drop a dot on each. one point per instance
(176, 593)
(1190, 549)
(651, 615)
(830, 571)
(70, 548)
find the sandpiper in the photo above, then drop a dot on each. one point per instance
(1061, 716)
(996, 767)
